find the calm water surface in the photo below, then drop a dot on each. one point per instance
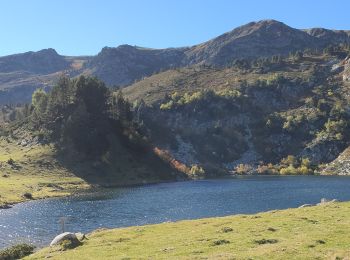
(37, 221)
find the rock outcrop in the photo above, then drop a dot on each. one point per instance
(346, 72)
(67, 236)
(341, 165)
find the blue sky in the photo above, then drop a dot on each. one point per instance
(79, 27)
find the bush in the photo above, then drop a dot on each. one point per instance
(16, 252)
(268, 169)
(196, 170)
(167, 106)
(292, 166)
(266, 241)
(226, 230)
(10, 161)
(333, 130)
(243, 169)
(290, 170)
(28, 195)
(220, 242)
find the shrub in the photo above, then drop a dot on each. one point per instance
(220, 242)
(226, 230)
(196, 170)
(243, 169)
(289, 160)
(290, 170)
(167, 106)
(266, 241)
(291, 166)
(333, 130)
(10, 161)
(28, 195)
(16, 252)
(268, 169)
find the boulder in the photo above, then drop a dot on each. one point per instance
(324, 201)
(80, 236)
(65, 236)
(306, 205)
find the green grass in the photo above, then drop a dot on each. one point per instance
(319, 232)
(41, 172)
(35, 171)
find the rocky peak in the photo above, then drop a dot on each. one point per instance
(43, 61)
(255, 39)
(326, 37)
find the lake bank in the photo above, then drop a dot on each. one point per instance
(37, 171)
(302, 233)
(37, 222)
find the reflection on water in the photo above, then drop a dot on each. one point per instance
(38, 221)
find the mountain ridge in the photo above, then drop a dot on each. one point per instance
(21, 74)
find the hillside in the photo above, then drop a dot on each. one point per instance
(21, 74)
(249, 114)
(31, 169)
(318, 232)
(74, 138)
(256, 39)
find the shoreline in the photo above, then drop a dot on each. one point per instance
(100, 187)
(284, 233)
(91, 189)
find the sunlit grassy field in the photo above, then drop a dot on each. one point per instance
(320, 232)
(34, 171)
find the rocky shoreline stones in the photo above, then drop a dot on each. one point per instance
(323, 201)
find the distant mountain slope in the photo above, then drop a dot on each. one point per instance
(227, 117)
(41, 62)
(255, 39)
(329, 36)
(124, 64)
(20, 74)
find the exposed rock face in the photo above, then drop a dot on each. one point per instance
(341, 165)
(319, 151)
(346, 73)
(329, 36)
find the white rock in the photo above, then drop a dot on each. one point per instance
(80, 236)
(64, 236)
(306, 205)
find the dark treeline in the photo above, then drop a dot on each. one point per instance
(341, 51)
(80, 113)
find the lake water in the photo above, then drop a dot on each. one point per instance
(37, 222)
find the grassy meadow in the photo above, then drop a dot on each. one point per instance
(319, 232)
(31, 172)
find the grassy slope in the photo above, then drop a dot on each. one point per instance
(35, 171)
(153, 89)
(319, 232)
(42, 172)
